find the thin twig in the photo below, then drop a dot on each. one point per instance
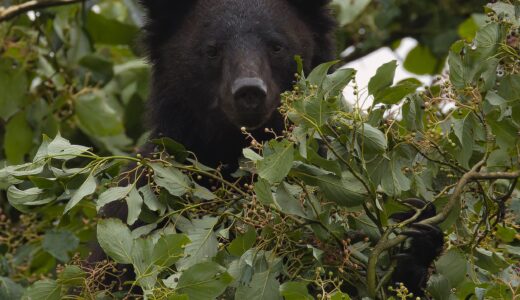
(7, 13)
(453, 166)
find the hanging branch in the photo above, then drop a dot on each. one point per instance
(7, 13)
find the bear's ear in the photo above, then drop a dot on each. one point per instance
(163, 17)
(318, 14)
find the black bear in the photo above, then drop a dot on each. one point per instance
(220, 65)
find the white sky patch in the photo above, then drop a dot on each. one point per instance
(96, 9)
(367, 66)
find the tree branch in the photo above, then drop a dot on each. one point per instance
(7, 13)
(497, 175)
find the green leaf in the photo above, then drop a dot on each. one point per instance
(317, 111)
(86, 189)
(468, 29)
(151, 200)
(465, 131)
(393, 95)
(439, 287)
(44, 290)
(59, 148)
(14, 86)
(141, 257)
(173, 180)
(504, 130)
(336, 82)
(72, 275)
(319, 74)
(490, 261)
(59, 243)
(373, 139)
(345, 191)
(413, 113)
(507, 11)
(509, 88)
(276, 165)
(453, 266)
(299, 64)
(384, 78)
(486, 73)
(349, 11)
(110, 31)
(487, 40)
(18, 139)
(28, 169)
(263, 286)
(20, 199)
(458, 76)
(179, 297)
(251, 155)
(348, 192)
(498, 160)
(111, 195)
(507, 235)
(116, 240)
(421, 61)
(242, 243)
(512, 250)
(10, 290)
(42, 182)
(263, 192)
(203, 193)
(169, 249)
(469, 64)
(340, 296)
(134, 202)
(295, 291)
(204, 281)
(394, 181)
(100, 68)
(96, 117)
(79, 43)
(493, 100)
(287, 203)
(204, 243)
(7, 180)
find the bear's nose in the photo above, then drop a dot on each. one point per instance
(249, 93)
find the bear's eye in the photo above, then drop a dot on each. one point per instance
(277, 48)
(212, 51)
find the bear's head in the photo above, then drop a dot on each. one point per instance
(219, 65)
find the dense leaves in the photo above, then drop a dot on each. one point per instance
(310, 216)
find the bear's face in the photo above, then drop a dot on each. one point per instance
(219, 65)
(251, 63)
(246, 50)
(233, 57)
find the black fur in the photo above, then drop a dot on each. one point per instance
(426, 245)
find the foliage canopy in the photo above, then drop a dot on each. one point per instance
(310, 217)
